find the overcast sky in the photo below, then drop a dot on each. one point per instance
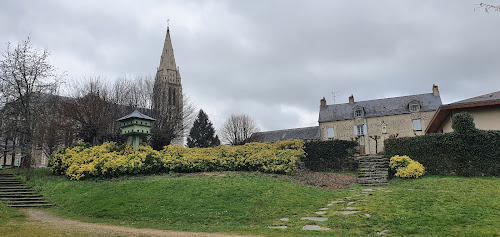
(273, 60)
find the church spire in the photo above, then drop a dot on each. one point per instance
(167, 61)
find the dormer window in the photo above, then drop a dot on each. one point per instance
(414, 107)
(358, 113)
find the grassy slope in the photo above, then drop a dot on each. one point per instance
(248, 203)
(235, 202)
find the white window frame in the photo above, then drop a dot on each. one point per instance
(360, 130)
(358, 113)
(417, 125)
(330, 133)
(414, 107)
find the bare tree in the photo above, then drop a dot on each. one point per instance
(26, 76)
(238, 129)
(167, 127)
(487, 7)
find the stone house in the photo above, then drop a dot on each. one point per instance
(373, 121)
(485, 109)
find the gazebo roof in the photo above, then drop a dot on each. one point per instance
(136, 114)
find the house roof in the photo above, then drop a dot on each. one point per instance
(490, 97)
(281, 135)
(380, 107)
(440, 116)
(136, 114)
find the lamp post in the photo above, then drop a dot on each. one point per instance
(136, 125)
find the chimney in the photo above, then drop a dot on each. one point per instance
(351, 99)
(435, 90)
(322, 103)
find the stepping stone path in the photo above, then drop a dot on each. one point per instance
(345, 212)
(314, 227)
(14, 193)
(384, 232)
(314, 218)
(278, 227)
(346, 206)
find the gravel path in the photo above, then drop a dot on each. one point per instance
(92, 229)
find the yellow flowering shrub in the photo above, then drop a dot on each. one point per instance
(109, 159)
(405, 167)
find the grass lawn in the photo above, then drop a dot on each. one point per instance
(239, 202)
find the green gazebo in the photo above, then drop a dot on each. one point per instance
(136, 125)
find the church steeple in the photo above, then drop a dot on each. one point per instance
(167, 94)
(167, 61)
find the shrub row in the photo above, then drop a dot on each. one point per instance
(330, 155)
(110, 159)
(466, 151)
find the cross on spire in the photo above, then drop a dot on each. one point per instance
(168, 23)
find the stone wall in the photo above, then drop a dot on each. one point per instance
(401, 124)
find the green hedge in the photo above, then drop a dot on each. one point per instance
(330, 155)
(465, 152)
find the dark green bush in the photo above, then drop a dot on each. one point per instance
(471, 153)
(331, 155)
(463, 122)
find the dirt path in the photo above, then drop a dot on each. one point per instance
(93, 229)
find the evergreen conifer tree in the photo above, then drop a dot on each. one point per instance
(202, 134)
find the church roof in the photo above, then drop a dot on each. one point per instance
(380, 107)
(136, 114)
(307, 133)
(167, 61)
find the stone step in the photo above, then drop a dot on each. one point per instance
(365, 181)
(31, 205)
(372, 182)
(373, 170)
(373, 164)
(15, 190)
(13, 195)
(39, 198)
(16, 193)
(25, 202)
(373, 176)
(13, 187)
(10, 184)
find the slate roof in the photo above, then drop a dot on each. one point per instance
(380, 107)
(306, 133)
(490, 97)
(136, 114)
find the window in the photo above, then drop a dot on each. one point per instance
(330, 133)
(414, 108)
(384, 128)
(360, 130)
(358, 113)
(417, 125)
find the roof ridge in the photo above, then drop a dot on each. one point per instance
(288, 129)
(385, 98)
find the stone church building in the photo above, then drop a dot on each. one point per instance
(167, 92)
